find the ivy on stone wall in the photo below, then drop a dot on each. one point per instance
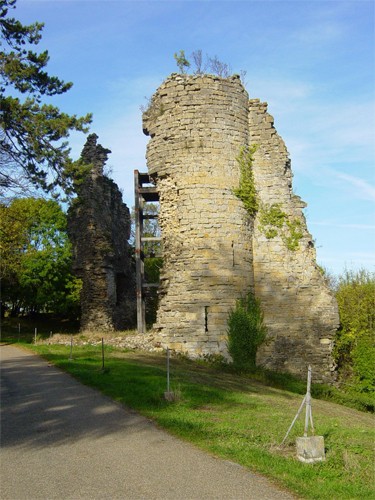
(292, 237)
(273, 221)
(246, 191)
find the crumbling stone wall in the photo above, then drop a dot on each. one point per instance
(214, 252)
(300, 311)
(99, 229)
(197, 126)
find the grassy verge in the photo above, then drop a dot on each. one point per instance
(235, 417)
(352, 399)
(23, 330)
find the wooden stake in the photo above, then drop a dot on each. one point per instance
(71, 348)
(308, 402)
(168, 395)
(167, 369)
(103, 354)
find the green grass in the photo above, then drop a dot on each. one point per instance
(235, 417)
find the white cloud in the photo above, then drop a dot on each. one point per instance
(361, 227)
(319, 33)
(362, 189)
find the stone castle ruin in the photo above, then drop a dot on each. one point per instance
(99, 229)
(214, 251)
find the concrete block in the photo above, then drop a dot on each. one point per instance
(169, 396)
(310, 449)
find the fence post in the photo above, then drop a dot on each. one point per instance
(71, 348)
(103, 354)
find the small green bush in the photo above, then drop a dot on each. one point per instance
(246, 332)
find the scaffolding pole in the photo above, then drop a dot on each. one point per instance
(143, 193)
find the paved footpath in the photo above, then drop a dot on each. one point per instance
(63, 440)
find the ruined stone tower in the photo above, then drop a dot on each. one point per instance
(99, 229)
(214, 251)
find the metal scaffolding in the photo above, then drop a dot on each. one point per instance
(144, 192)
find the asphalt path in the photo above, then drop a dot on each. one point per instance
(63, 440)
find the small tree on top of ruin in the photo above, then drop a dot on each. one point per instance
(202, 65)
(181, 61)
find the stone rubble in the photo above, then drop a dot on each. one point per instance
(143, 342)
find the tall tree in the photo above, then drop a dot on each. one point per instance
(36, 258)
(33, 149)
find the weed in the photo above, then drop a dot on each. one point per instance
(246, 191)
(273, 222)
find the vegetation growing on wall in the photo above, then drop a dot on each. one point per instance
(205, 65)
(273, 221)
(246, 332)
(153, 108)
(292, 237)
(181, 61)
(246, 191)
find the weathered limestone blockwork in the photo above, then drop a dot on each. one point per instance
(213, 251)
(300, 311)
(99, 228)
(197, 126)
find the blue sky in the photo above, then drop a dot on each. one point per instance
(312, 61)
